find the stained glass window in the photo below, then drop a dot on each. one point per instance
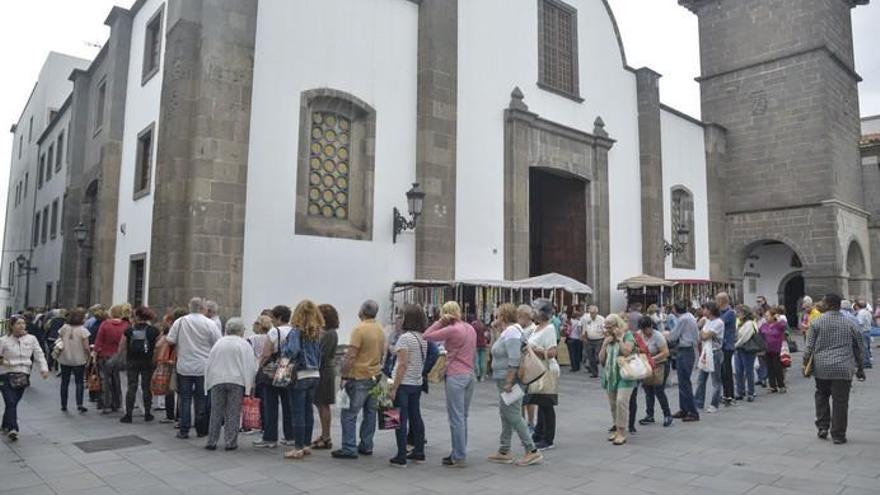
(329, 165)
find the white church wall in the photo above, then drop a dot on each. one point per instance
(367, 48)
(498, 50)
(135, 216)
(684, 164)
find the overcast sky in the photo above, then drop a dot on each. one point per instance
(656, 33)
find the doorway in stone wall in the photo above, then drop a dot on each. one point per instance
(792, 293)
(557, 224)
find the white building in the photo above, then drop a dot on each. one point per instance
(27, 192)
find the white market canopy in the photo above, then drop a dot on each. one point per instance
(642, 281)
(549, 281)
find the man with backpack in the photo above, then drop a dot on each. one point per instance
(138, 343)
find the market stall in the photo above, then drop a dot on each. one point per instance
(481, 297)
(647, 290)
(698, 291)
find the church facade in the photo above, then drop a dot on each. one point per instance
(254, 153)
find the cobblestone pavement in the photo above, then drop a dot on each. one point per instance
(768, 447)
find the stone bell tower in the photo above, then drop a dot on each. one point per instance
(779, 87)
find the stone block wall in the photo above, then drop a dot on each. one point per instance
(95, 156)
(778, 78)
(651, 171)
(436, 139)
(737, 33)
(201, 166)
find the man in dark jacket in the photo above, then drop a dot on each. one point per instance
(728, 316)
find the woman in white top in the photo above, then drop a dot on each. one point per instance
(73, 357)
(544, 392)
(711, 334)
(229, 375)
(18, 351)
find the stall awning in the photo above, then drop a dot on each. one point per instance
(642, 281)
(549, 281)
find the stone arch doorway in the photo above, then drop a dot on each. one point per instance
(773, 269)
(855, 269)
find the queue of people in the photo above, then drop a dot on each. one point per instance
(203, 373)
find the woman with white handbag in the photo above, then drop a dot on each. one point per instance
(711, 356)
(544, 392)
(618, 343)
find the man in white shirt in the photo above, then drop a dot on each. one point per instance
(863, 315)
(592, 333)
(194, 335)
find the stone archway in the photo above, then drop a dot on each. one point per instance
(770, 268)
(856, 271)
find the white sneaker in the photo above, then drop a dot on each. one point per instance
(711, 409)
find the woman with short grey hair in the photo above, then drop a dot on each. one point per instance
(544, 392)
(229, 376)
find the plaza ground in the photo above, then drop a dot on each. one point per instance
(768, 447)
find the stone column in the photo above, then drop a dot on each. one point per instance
(436, 139)
(716, 158)
(601, 266)
(651, 167)
(201, 166)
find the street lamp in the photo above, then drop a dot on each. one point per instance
(24, 265)
(81, 234)
(679, 243)
(415, 199)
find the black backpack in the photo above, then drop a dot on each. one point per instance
(138, 344)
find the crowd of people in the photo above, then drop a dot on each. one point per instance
(203, 373)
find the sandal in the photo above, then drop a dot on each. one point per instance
(294, 454)
(322, 444)
(620, 440)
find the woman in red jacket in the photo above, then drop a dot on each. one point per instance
(106, 346)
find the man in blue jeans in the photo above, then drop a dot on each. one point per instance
(194, 335)
(684, 337)
(363, 363)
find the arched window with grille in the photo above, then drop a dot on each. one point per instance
(683, 228)
(335, 166)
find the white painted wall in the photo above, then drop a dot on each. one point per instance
(367, 48)
(871, 125)
(47, 257)
(767, 265)
(684, 164)
(50, 90)
(498, 50)
(141, 110)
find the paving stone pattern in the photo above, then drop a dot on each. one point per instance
(768, 447)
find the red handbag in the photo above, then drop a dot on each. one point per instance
(250, 413)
